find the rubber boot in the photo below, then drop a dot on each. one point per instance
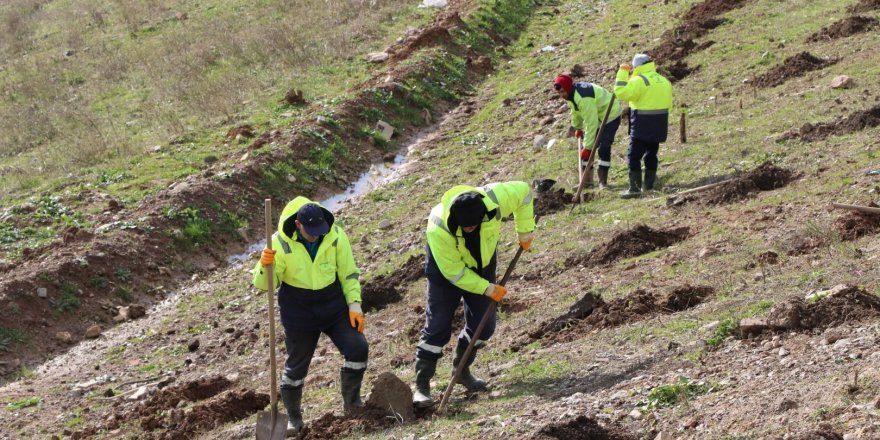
(350, 382)
(467, 379)
(425, 370)
(635, 186)
(603, 177)
(650, 177)
(292, 399)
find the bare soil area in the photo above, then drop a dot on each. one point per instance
(844, 28)
(792, 67)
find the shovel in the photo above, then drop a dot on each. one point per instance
(470, 348)
(271, 425)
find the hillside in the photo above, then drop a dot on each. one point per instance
(746, 311)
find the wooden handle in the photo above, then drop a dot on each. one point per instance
(865, 209)
(593, 152)
(270, 301)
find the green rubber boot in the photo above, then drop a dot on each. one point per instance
(425, 370)
(635, 186)
(650, 178)
(350, 382)
(467, 379)
(292, 398)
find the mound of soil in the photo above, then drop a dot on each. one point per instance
(856, 121)
(856, 224)
(228, 407)
(865, 6)
(394, 395)
(685, 297)
(679, 42)
(792, 67)
(382, 290)
(630, 243)
(577, 312)
(765, 177)
(331, 426)
(844, 28)
(190, 391)
(823, 432)
(582, 428)
(677, 71)
(848, 305)
(551, 201)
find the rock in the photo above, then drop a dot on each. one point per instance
(42, 292)
(392, 394)
(136, 311)
(93, 332)
(842, 82)
(663, 435)
(710, 326)
(635, 414)
(539, 141)
(137, 395)
(707, 252)
(753, 326)
(548, 120)
(193, 344)
(785, 404)
(64, 337)
(384, 224)
(384, 129)
(377, 57)
(783, 352)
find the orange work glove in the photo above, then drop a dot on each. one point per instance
(627, 67)
(496, 292)
(268, 257)
(525, 240)
(356, 317)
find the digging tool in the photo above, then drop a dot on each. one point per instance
(470, 348)
(271, 425)
(865, 209)
(593, 153)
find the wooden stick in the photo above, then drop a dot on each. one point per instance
(682, 128)
(865, 209)
(593, 153)
(701, 188)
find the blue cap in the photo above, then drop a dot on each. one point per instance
(311, 216)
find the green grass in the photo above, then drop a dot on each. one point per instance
(67, 299)
(16, 405)
(10, 337)
(672, 394)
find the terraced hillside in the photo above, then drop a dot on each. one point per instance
(749, 310)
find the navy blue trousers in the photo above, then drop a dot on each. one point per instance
(639, 149)
(442, 301)
(605, 143)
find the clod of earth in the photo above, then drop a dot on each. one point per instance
(765, 177)
(382, 290)
(856, 121)
(865, 6)
(228, 407)
(849, 304)
(551, 201)
(630, 243)
(792, 67)
(582, 428)
(679, 42)
(856, 224)
(394, 395)
(330, 426)
(844, 28)
(823, 432)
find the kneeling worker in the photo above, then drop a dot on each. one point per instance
(318, 292)
(463, 233)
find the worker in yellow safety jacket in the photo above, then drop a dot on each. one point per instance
(650, 101)
(463, 233)
(318, 292)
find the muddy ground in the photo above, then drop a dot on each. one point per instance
(582, 428)
(633, 242)
(854, 122)
(865, 6)
(765, 177)
(552, 201)
(856, 224)
(793, 67)
(844, 28)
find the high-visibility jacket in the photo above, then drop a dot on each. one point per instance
(448, 247)
(650, 101)
(294, 267)
(588, 105)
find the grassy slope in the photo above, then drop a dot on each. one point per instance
(722, 139)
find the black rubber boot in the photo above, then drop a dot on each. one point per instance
(603, 177)
(350, 382)
(650, 178)
(292, 399)
(425, 370)
(635, 186)
(467, 379)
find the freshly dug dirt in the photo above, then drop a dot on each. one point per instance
(630, 243)
(849, 305)
(552, 201)
(578, 311)
(792, 67)
(766, 177)
(190, 391)
(331, 426)
(679, 42)
(228, 407)
(844, 28)
(582, 428)
(865, 6)
(823, 432)
(685, 297)
(854, 122)
(382, 290)
(677, 71)
(392, 394)
(856, 224)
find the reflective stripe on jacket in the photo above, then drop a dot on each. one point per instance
(650, 101)
(448, 248)
(294, 266)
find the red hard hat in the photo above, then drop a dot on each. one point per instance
(563, 82)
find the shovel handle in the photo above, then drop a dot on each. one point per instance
(270, 300)
(577, 197)
(470, 348)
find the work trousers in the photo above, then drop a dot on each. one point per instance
(605, 142)
(639, 149)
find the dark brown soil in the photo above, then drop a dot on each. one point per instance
(685, 297)
(577, 312)
(765, 177)
(392, 394)
(245, 131)
(582, 428)
(294, 97)
(768, 258)
(849, 305)
(844, 28)
(189, 391)
(792, 67)
(679, 42)
(856, 224)
(865, 6)
(823, 432)
(331, 426)
(228, 407)
(630, 243)
(854, 122)
(382, 290)
(677, 71)
(552, 201)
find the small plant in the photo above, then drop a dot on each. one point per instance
(726, 328)
(67, 300)
(10, 336)
(672, 394)
(97, 282)
(16, 405)
(123, 274)
(123, 293)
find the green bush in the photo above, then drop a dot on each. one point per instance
(9, 336)
(674, 393)
(67, 300)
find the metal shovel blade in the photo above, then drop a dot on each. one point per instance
(271, 425)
